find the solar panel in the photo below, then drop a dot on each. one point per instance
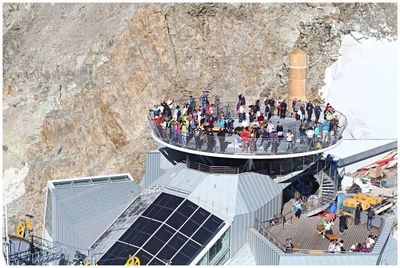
(156, 262)
(176, 220)
(189, 228)
(159, 239)
(200, 216)
(157, 212)
(168, 201)
(191, 249)
(180, 259)
(117, 254)
(172, 247)
(213, 224)
(171, 230)
(144, 257)
(162, 207)
(202, 236)
(187, 208)
(140, 231)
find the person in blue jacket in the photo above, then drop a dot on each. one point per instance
(325, 131)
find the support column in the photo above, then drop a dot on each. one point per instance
(297, 76)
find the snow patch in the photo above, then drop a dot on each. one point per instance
(362, 84)
(14, 183)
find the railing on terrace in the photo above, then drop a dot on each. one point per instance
(212, 169)
(262, 228)
(255, 146)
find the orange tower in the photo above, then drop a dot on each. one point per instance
(297, 75)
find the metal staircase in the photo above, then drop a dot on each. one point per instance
(326, 194)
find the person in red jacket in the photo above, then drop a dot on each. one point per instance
(245, 135)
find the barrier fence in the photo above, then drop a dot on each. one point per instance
(233, 144)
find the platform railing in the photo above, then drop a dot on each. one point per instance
(233, 144)
(212, 169)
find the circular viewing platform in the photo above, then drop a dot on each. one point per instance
(232, 145)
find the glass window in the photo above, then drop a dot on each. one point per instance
(119, 178)
(81, 182)
(204, 260)
(100, 180)
(218, 250)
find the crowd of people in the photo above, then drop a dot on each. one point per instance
(200, 121)
(336, 245)
(366, 246)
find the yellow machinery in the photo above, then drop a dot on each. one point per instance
(24, 228)
(372, 200)
(352, 203)
(133, 261)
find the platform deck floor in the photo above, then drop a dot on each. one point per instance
(305, 235)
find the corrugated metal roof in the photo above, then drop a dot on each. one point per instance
(389, 255)
(187, 180)
(255, 190)
(216, 193)
(225, 195)
(169, 176)
(384, 234)
(82, 213)
(153, 170)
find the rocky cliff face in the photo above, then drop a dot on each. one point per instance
(79, 78)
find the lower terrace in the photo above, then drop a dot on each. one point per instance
(305, 236)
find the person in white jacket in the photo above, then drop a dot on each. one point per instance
(310, 136)
(289, 140)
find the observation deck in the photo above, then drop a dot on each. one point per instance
(232, 147)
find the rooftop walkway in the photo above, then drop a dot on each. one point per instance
(305, 236)
(232, 147)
